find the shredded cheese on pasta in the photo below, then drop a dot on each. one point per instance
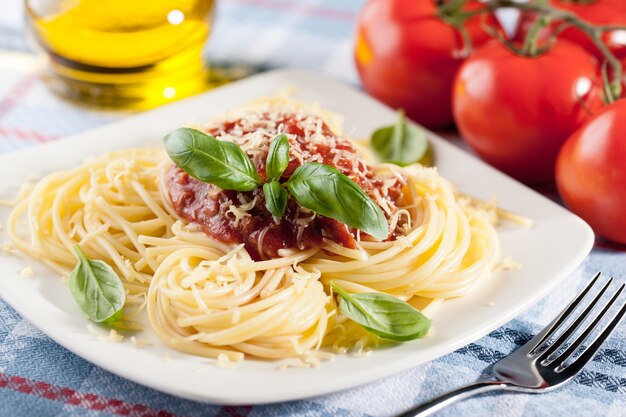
(209, 298)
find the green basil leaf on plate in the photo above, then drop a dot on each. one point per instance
(275, 198)
(326, 191)
(402, 144)
(212, 161)
(383, 315)
(277, 157)
(97, 289)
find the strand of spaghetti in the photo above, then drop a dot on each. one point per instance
(152, 204)
(433, 228)
(126, 227)
(252, 266)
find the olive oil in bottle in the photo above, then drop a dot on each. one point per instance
(122, 53)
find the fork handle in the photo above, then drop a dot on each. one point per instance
(437, 403)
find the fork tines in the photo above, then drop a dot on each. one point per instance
(552, 354)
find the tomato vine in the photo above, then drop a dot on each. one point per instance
(454, 12)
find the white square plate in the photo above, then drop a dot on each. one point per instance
(556, 244)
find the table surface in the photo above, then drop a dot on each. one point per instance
(39, 377)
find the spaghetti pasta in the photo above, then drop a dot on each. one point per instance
(212, 298)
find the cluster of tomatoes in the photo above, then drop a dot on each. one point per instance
(539, 118)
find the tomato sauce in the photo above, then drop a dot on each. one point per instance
(234, 217)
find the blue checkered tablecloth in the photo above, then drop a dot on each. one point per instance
(40, 378)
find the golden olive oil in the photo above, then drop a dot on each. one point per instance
(123, 53)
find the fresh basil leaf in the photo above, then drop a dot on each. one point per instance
(212, 161)
(382, 314)
(277, 157)
(275, 198)
(326, 191)
(97, 289)
(401, 144)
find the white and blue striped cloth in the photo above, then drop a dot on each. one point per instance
(40, 378)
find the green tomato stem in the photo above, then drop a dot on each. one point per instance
(593, 32)
(452, 13)
(452, 6)
(531, 43)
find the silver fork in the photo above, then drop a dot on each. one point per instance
(541, 365)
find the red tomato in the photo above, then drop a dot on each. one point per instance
(516, 111)
(601, 12)
(407, 56)
(591, 172)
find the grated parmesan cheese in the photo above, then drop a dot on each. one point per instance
(27, 272)
(286, 252)
(139, 343)
(113, 336)
(304, 221)
(240, 212)
(506, 264)
(259, 243)
(293, 363)
(253, 129)
(8, 248)
(224, 362)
